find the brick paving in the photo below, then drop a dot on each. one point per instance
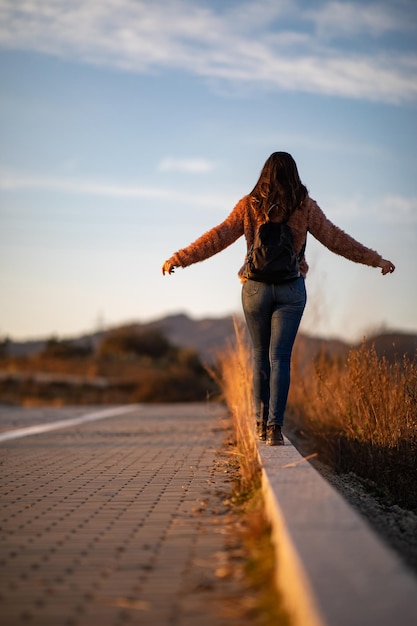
(114, 522)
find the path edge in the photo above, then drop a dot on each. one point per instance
(331, 567)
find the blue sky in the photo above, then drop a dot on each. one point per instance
(130, 127)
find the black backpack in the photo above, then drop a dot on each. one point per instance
(272, 258)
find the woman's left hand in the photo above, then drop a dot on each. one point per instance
(168, 267)
(386, 267)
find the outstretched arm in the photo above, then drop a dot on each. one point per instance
(336, 240)
(212, 242)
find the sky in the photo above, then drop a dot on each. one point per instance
(129, 128)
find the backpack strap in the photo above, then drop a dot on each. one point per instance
(303, 249)
(273, 207)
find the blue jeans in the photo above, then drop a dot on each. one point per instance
(273, 314)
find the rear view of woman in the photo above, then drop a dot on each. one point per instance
(273, 308)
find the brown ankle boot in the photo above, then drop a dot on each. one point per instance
(261, 430)
(274, 436)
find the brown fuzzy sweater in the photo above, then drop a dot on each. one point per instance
(243, 220)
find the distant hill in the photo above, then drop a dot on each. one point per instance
(394, 345)
(208, 336)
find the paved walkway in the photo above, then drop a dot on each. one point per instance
(117, 521)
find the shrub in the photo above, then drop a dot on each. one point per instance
(133, 342)
(64, 349)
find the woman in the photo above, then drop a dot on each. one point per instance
(273, 311)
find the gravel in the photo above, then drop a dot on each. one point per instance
(395, 525)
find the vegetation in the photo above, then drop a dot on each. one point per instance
(357, 412)
(235, 381)
(127, 342)
(128, 365)
(55, 348)
(360, 415)
(234, 378)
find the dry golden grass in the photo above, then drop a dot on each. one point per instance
(360, 415)
(235, 380)
(365, 398)
(234, 376)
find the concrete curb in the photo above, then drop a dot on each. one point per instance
(331, 567)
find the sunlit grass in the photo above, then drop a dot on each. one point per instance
(235, 380)
(366, 398)
(234, 376)
(360, 413)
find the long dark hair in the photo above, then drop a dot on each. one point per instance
(279, 183)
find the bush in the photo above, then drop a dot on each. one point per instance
(131, 366)
(131, 342)
(56, 349)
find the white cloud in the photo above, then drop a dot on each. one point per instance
(374, 19)
(15, 182)
(190, 166)
(253, 42)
